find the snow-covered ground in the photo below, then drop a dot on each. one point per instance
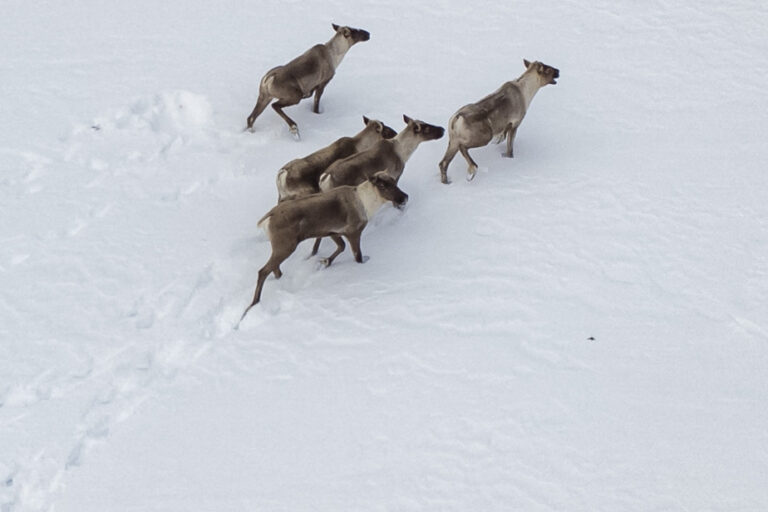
(581, 328)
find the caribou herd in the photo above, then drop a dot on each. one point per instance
(334, 191)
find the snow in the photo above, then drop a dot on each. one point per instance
(580, 328)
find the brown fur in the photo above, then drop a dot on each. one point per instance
(497, 115)
(300, 177)
(389, 156)
(341, 212)
(307, 74)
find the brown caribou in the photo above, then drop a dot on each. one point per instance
(305, 75)
(300, 177)
(497, 115)
(387, 156)
(343, 211)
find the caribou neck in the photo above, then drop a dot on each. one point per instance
(405, 143)
(529, 85)
(370, 198)
(337, 47)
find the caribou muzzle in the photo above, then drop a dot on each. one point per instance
(360, 35)
(400, 200)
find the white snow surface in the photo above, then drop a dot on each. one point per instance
(583, 327)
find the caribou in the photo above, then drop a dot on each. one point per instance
(307, 74)
(498, 115)
(389, 156)
(342, 212)
(300, 177)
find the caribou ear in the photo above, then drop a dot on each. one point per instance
(335, 27)
(527, 64)
(366, 121)
(407, 119)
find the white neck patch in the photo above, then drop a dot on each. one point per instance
(338, 47)
(405, 143)
(370, 198)
(529, 85)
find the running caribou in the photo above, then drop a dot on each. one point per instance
(343, 211)
(300, 177)
(386, 155)
(497, 115)
(305, 75)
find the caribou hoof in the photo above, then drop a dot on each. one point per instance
(471, 173)
(508, 155)
(295, 132)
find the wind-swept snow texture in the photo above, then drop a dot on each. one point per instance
(581, 328)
